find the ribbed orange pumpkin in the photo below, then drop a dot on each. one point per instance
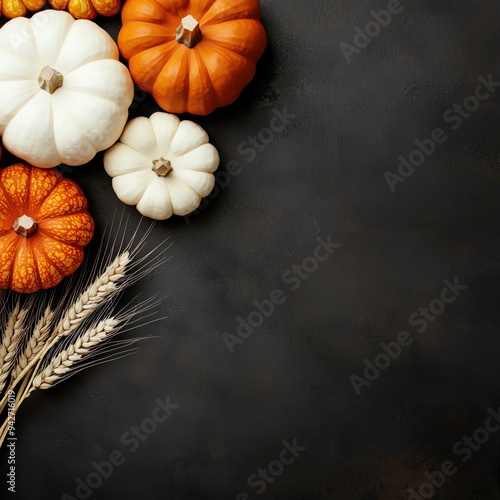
(192, 55)
(87, 9)
(44, 225)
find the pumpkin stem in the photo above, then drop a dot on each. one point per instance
(50, 79)
(188, 32)
(162, 167)
(25, 226)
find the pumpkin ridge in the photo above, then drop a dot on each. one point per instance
(78, 193)
(149, 29)
(39, 202)
(63, 271)
(69, 111)
(60, 47)
(217, 17)
(201, 63)
(158, 142)
(54, 129)
(182, 12)
(198, 15)
(48, 234)
(186, 186)
(14, 244)
(215, 35)
(7, 197)
(41, 250)
(246, 73)
(82, 211)
(37, 273)
(19, 108)
(160, 62)
(182, 64)
(11, 201)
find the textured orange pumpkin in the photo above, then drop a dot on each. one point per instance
(18, 8)
(192, 55)
(44, 225)
(87, 9)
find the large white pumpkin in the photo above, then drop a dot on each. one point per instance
(64, 95)
(162, 165)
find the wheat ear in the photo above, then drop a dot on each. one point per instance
(90, 299)
(10, 342)
(36, 342)
(61, 364)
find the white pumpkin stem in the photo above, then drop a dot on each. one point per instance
(188, 32)
(50, 79)
(25, 226)
(162, 167)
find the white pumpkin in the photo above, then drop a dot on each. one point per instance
(162, 165)
(64, 95)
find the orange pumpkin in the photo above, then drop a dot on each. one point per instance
(44, 225)
(87, 9)
(18, 8)
(192, 55)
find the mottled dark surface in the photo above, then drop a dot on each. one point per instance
(322, 176)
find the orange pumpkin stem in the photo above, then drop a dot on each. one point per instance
(162, 167)
(188, 32)
(50, 79)
(25, 226)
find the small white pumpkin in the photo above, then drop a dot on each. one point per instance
(64, 95)
(162, 165)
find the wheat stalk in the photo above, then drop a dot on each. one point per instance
(36, 342)
(10, 341)
(87, 302)
(61, 364)
(67, 339)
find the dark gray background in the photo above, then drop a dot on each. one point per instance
(322, 176)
